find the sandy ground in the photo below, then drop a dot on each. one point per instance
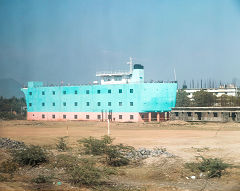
(185, 140)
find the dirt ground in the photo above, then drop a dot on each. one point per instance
(182, 139)
(185, 140)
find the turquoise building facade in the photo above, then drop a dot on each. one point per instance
(115, 99)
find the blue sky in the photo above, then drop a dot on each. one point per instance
(69, 40)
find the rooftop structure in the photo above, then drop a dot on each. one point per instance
(134, 75)
(229, 90)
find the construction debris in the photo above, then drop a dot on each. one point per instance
(11, 144)
(143, 153)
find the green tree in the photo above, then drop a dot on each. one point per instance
(12, 108)
(223, 100)
(228, 101)
(182, 99)
(203, 99)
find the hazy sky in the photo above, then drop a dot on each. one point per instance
(69, 40)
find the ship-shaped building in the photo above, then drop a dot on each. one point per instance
(118, 96)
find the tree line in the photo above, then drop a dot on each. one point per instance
(12, 108)
(205, 99)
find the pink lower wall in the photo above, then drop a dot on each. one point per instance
(82, 116)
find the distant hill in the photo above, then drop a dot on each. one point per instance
(10, 88)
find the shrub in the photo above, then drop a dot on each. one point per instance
(85, 173)
(2, 178)
(61, 145)
(115, 154)
(66, 161)
(8, 167)
(95, 146)
(214, 167)
(41, 179)
(31, 155)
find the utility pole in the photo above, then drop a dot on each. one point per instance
(108, 127)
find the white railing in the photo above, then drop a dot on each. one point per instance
(120, 72)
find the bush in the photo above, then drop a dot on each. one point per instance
(95, 146)
(8, 167)
(61, 145)
(31, 155)
(81, 171)
(41, 179)
(85, 173)
(2, 178)
(66, 161)
(115, 154)
(214, 167)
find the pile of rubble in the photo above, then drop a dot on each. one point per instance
(11, 144)
(143, 153)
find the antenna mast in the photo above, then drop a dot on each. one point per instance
(130, 64)
(175, 77)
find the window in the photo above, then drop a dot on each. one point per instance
(75, 116)
(109, 116)
(87, 116)
(53, 116)
(131, 91)
(109, 103)
(120, 116)
(106, 79)
(118, 78)
(43, 104)
(64, 116)
(99, 116)
(87, 91)
(75, 103)
(120, 103)
(189, 114)
(75, 92)
(176, 113)
(131, 116)
(43, 93)
(109, 91)
(99, 103)
(131, 103)
(53, 104)
(64, 92)
(120, 91)
(30, 104)
(43, 116)
(87, 103)
(64, 103)
(53, 92)
(215, 114)
(30, 93)
(99, 91)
